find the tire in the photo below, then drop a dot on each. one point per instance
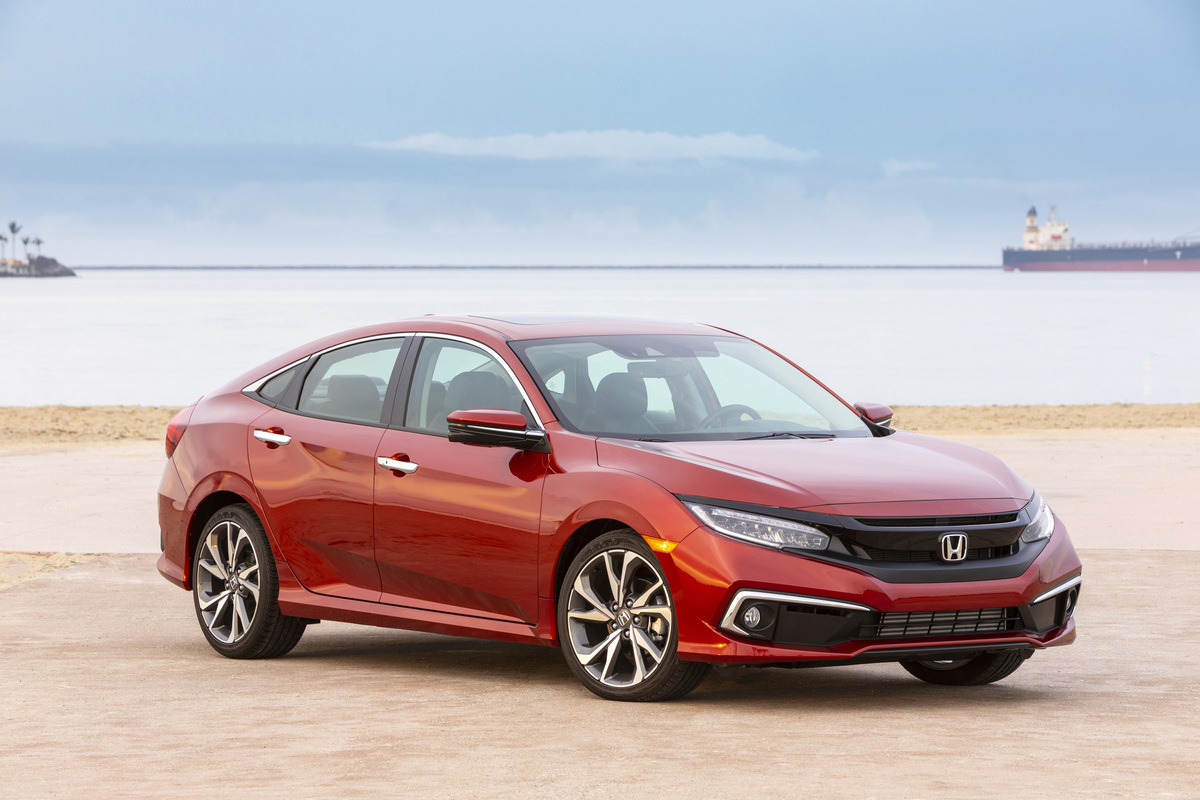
(617, 623)
(235, 589)
(975, 671)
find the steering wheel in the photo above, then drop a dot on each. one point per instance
(731, 412)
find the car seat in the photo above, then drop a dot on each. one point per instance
(620, 406)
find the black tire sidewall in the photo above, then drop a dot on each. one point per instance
(983, 668)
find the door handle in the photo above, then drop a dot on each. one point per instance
(398, 463)
(272, 437)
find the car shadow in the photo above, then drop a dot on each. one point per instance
(846, 688)
(855, 687)
(465, 658)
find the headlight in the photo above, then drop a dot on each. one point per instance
(1042, 525)
(756, 528)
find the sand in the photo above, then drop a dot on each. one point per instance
(31, 426)
(1023, 419)
(97, 647)
(1096, 462)
(34, 426)
(18, 567)
(110, 690)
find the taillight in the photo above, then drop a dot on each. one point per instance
(176, 427)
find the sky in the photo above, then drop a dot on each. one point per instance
(380, 133)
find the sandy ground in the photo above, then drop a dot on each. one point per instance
(1114, 488)
(33, 426)
(111, 690)
(109, 686)
(40, 426)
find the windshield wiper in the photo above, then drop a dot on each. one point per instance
(788, 435)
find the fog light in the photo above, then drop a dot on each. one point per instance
(1072, 598)
(757, 617)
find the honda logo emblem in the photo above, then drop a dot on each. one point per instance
(953, 546)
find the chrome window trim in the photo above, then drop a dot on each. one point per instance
(507, 368)
(470, 426)
(1057, 590)
(256, 387)
(727, 622)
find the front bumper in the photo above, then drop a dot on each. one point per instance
(844, 615)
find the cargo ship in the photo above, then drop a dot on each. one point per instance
(1047, 247)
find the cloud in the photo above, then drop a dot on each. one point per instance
(615, 145)
(893, 168)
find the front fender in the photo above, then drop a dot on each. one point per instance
(578, 491)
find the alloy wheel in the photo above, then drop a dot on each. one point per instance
(227, 577)
(619, 618)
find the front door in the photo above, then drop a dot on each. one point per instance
(460, 532)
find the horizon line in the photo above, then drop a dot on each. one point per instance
(523, 266)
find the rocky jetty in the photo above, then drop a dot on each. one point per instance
(38, 267)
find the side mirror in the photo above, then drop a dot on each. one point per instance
(873, 412)
(495, 428)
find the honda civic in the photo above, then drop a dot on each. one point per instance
(654, 498)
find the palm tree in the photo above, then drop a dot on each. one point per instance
(25, 241)
(37, 242)
(13, 228)
(3, 248)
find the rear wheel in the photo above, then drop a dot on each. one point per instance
(973, 671)
(617, 624)
(236, 589)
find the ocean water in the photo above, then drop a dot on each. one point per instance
(903, 336)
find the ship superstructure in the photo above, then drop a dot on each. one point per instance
(1049, 247)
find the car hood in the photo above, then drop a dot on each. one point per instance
(903, 474)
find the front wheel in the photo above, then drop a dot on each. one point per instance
(236, 589)
(973, 671)
(617, 623)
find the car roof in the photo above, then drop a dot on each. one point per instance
(551, 326)
(488, 328)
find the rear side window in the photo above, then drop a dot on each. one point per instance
(274, 389)
(350, 383)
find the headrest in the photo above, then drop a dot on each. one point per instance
(354, 396)
(477, 390)
(621, 395)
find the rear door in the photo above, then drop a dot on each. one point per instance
(313, 463)
(458, 533)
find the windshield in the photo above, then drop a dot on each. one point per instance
(682, 387)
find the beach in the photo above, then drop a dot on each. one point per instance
(42, 426)
(91, 632)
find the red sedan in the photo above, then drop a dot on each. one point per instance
(651, 497)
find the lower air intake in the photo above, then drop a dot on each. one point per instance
(943, 623)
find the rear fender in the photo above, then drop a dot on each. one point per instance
(200, 507)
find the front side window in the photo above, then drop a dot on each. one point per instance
(682, 387)
(350, 383)
(455, 376)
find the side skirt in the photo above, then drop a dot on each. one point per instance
(296, 601)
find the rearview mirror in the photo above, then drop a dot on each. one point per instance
(873, 412)
(495, 427)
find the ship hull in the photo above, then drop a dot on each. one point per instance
(1165, 258)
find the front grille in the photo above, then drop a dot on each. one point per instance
(900, 625)
(934, 522)
(913, 556)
